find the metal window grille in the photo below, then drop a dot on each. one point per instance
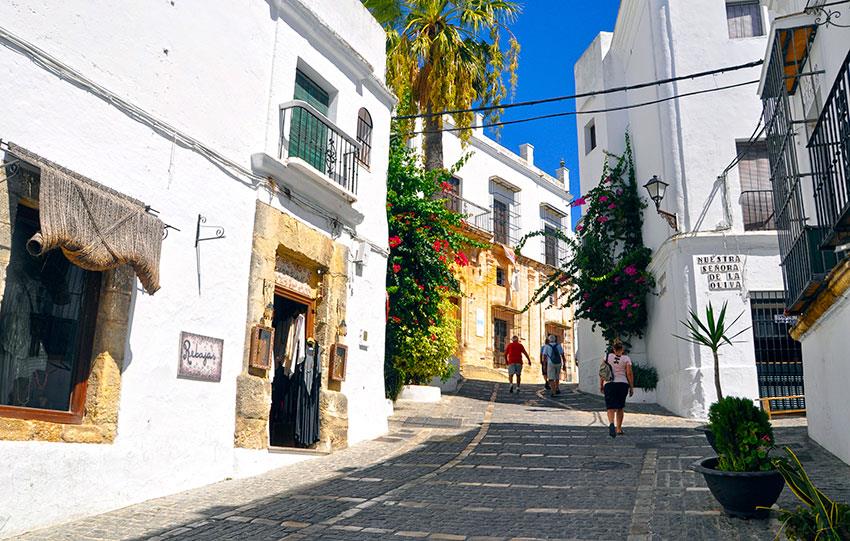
(829, 149)
(803, 265)
(504, 221)
(779, 358)
(551, 246)
(756, 194)
(744, 19)
(364, 136)
(452, 199)
(500, 277)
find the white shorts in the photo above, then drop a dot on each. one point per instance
(553, 371)
(515, 368)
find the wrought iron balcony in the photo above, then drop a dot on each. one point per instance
(503, 222)
(804, 267)
(308, 135)
(474, 215)
(829, 149)
(757, 208)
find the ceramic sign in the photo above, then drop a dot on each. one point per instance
(200, 357)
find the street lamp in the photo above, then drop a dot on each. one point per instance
(657, 189)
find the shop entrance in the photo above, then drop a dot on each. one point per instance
(294, 413)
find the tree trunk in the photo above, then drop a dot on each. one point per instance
(433, 143)
(717, 376)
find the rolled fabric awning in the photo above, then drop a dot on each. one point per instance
(97, 228)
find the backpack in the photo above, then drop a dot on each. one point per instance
(606, 371)
(552, 351)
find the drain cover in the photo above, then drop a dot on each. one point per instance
(603, 465)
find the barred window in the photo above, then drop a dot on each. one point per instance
(744, 19)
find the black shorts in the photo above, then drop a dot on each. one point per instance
(615, 395)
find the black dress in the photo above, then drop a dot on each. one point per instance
(307, 379)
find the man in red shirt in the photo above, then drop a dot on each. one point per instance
(513, 354)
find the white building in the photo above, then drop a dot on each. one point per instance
(262, 126)
(506, 196)
(805, 87)
(725, 247)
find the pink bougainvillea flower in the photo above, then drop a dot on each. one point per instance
(609, 304)
(579, 202)
(609, 179)
(579, 228)
(631, 270)
(602, 219)
(612, 206)
(395, 241)
(635, 305)
(603, 198)
(629, 315)
(619, 191)
(396, 268)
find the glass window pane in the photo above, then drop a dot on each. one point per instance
(41, 323)
(744, 19)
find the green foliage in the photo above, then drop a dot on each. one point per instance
(606, 278)
(820, 517)
(712, 333)
(426, 243)
(646, 377)
(743, 435)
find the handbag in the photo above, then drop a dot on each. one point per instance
(606, 371)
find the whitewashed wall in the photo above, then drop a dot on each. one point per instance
(217, 73)
(686, 142)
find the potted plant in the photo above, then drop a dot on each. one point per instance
(646, 380)
(819, 518)
(712, 333)
(742, 477)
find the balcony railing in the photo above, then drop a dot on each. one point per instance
(474, 215)
(503, 222)
(310, 136)
(757, 208)
(829, 149)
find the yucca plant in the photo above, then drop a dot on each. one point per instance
(712, 333)
(821, 518)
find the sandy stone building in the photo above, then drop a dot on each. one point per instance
(505, 196)
(192, 245)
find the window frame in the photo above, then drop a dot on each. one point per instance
(365, 125)
(501, 276)
(739, 3)
(590, 140)
(85, 348)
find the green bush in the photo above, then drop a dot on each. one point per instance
(646, 377)
(743, 435)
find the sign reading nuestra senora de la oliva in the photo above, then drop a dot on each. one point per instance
(723, 272)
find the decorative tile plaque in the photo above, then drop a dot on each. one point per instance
(200, 357)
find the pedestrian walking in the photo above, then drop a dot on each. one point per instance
(513, 353)
(543, 368)
(615, 381)
(554, 354)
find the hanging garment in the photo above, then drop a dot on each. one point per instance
(309, 384)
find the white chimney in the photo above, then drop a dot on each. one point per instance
(526, 151)
(564, 175)
(478, 124)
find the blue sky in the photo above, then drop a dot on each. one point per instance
(553, 35)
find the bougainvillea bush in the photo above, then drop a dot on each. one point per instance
(605, 276)
(426, 242)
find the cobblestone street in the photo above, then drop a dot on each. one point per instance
(482, 465)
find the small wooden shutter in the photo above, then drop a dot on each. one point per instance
(308, 138)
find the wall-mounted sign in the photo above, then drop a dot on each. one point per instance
(200, 357)
(262, 339)
(723, 272)
(338, 362)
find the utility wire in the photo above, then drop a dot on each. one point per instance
(657, 82)
(588, 112)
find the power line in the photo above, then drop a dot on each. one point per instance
(657, 82)
(588, 112)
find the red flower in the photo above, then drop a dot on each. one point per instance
(395, 241)
(396, 268)
(421, 287)
(446, 186)
(631, 270)
(602, 219)
(603, 199)
(460, 259)
(433, 337)
(437, 245)
(579, 228)
(396, 319)
(579, 202)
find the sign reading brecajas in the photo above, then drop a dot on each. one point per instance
(200, 357)
(723, 272)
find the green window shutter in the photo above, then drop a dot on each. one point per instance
(308, 138)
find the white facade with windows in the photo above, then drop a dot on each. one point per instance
(209, 122)
(805, 88)
(723, 216)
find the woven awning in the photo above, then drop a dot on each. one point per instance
(96, 227)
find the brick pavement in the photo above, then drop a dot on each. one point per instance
(481, 465)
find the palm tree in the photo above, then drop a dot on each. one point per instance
(447, 55)
(711, 334)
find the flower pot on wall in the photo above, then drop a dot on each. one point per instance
(742, 494)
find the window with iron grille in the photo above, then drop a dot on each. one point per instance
(452, 196)
(501, 221)
(779, 358)
(364, 136)
(756, 192)
(501, 278)
(551, 246)
(744, 19)
(501, 329)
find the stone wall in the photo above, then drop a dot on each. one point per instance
(278, 235)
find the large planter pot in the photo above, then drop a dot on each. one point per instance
(742, 494)
(709, 435)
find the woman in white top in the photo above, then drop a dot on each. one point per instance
(615, 391)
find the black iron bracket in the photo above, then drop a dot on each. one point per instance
(218, 231)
